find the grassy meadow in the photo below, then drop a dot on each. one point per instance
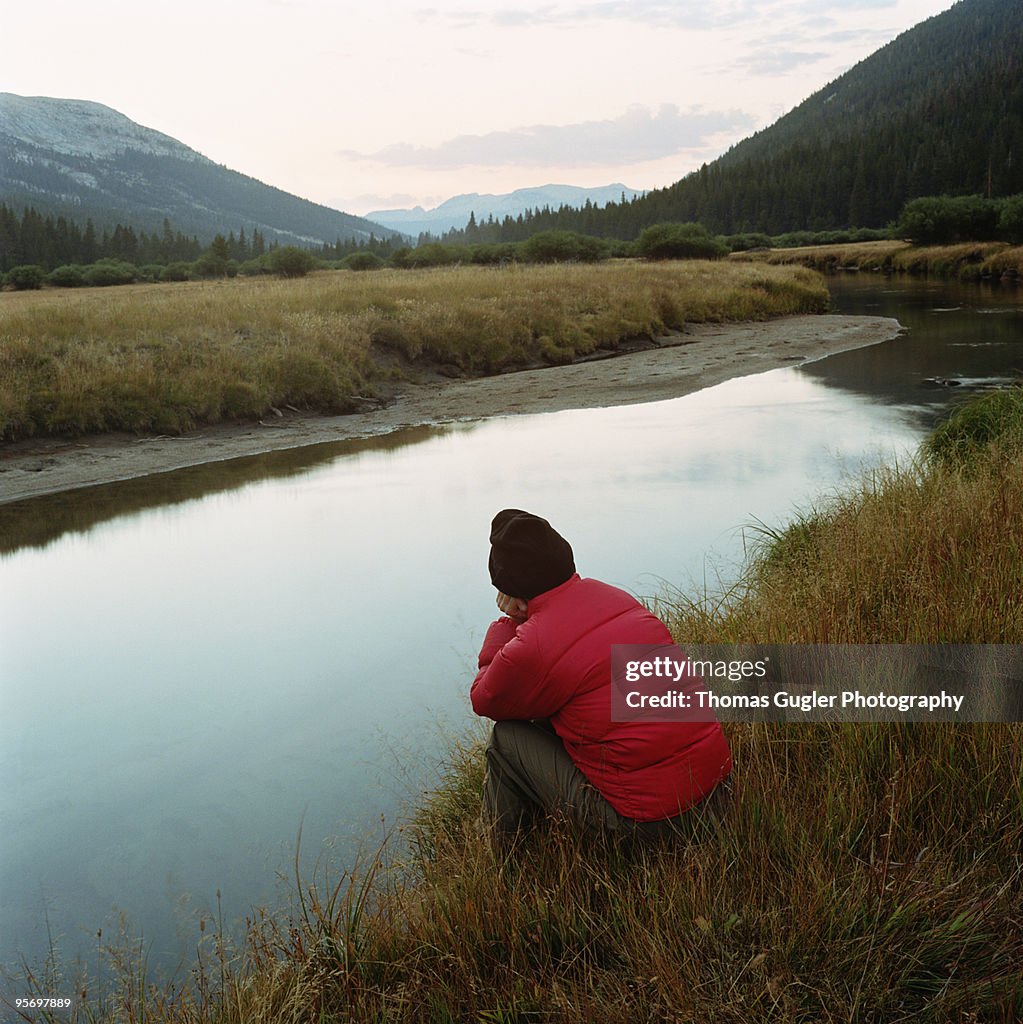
(166, 358)
(968, 261)
(868, 872)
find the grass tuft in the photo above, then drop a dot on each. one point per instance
(992, 422)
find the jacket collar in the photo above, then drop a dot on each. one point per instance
(536, 603)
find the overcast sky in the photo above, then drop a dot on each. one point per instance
(390, 103)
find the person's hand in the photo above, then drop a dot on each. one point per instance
(514, 607)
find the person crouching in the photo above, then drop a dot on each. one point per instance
(545, 679)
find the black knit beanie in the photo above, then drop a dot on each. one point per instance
(527, 555)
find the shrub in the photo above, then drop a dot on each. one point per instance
(68, 276)
(491, 255)
(795, 239)
(176, 272)
(943, 219)
(254, 267)
(563, 247)
(290, 261)
(362, 261)
(1010, 222)
(110, 272)
(209, 265)
(432, 254)
(591, 249)
(688, 241)
(400, 257)
(743, 243)
(26, 277)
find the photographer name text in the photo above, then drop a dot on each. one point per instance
(804, 702)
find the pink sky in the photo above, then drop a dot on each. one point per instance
(399, 102)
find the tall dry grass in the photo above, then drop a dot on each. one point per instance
(970, 261)
(166, 358)
(867, 873)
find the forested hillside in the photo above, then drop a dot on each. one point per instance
(939, 110)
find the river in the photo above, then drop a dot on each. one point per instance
(197, 665)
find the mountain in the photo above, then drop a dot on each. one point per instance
(454, 213)
(939, 110)
(84, 160)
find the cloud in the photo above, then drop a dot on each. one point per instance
(511, 17)
(854, 35)
(777, 62)
(690, 14)
(661, 13)
(814, 6)
(636, 136)
(683, 14)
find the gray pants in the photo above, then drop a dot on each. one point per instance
(529, 774)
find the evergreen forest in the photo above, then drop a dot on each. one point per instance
(50, 242)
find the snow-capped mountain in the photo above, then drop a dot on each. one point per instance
(84, 160)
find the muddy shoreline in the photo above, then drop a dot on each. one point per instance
(699, 357)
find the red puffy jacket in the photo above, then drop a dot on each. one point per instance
(557, 665)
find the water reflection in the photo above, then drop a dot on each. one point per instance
(968, 333)
(37, 522)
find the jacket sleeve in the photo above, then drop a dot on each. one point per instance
(510, 681)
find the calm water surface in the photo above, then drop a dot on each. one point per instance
(193, 667)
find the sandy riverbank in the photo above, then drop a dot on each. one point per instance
(699, 357)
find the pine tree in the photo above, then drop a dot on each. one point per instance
(90, 247)
(10, 239)
(220, 249)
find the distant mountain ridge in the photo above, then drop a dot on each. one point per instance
(85, 160)
(454, 213)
